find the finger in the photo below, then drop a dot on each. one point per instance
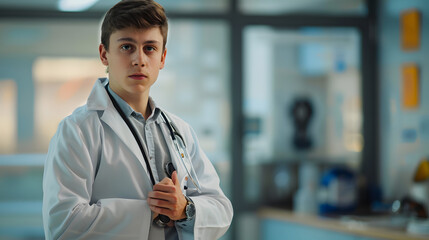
(163, 196)
(153, 202)
(175, 179)
(174, 211)
(157, 211)
(166, 181)
(162, 211)
(154, 215)
(164, 188)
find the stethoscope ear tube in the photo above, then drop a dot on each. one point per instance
(170, 127)
(183, 155)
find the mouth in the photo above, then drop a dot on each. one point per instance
(137, 76)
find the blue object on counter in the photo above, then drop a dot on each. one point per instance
(338, 191)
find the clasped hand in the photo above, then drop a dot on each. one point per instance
(167, 199)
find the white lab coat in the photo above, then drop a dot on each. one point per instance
(95, 182)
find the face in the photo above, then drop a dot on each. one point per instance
(134, 58)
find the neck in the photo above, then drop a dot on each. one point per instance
(140, 104)
(138, 101)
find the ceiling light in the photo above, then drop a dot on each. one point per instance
(75, 5)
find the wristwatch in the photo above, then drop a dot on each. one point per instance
(189, 210)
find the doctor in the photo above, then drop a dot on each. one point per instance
(105, 175)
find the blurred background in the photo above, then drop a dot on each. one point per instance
(313, 112)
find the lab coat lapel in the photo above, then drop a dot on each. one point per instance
(120, 128)
(99, 100)
(112, 118)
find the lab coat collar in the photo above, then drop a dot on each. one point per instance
(98, 98)
(123, 105)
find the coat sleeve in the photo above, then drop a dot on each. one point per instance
(68, 212)
(214, 211)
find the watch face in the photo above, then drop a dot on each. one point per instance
(190, 210)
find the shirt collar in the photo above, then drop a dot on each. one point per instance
(156, 111)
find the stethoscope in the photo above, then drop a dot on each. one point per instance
(183, 155)
(178, 143)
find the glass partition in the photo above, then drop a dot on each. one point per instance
(302, 104)
(319, 7)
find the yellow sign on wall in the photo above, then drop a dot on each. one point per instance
(410, 86)
(410, 29)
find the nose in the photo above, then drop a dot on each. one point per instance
(139, 58)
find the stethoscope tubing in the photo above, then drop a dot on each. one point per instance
(161, 220)
(182, 152)
(174, 134)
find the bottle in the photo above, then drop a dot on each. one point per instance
(338, 192)
(305, 199)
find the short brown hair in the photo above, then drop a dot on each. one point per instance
(140, 14)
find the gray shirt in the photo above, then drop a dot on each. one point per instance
(155, 146)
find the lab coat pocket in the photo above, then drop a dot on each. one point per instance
(188, 187)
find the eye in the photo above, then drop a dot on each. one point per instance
(150, 48)
(126, 47)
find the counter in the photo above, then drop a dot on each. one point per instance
(358, 231)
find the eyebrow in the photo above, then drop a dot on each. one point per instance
(128, 39)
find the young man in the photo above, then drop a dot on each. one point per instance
(114, 167)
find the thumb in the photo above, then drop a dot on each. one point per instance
(175, 178)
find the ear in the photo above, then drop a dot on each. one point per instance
(164, 54)
(103, 55)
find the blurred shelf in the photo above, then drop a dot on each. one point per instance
(337, 225)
